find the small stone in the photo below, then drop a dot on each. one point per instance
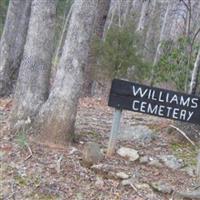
(172, 162)
(155, 163)
(162, 187)
(72, 151)
(122, 175)
(127, 182)
(144, 159)
(152, 196)
(190, 170)
(92, 154)
(2, 154)
(131, 154)
(143, 186)
(99, 182)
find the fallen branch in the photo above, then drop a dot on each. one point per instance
(184, 134)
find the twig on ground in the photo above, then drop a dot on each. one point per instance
(136, 190)
(58, 164)
(184, 134)
(30, 152)
(12, 195)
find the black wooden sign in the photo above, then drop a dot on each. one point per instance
(154, 101)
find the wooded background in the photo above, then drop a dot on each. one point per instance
(52, 52)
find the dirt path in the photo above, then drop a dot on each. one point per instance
(52, 173)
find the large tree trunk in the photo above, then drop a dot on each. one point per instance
(102, 12)
(12, 43)
(195, 74)
(33, 81)
(55, 122)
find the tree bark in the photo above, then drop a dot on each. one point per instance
(195, 74)
(164, 35)
(12, 43)
(102, 12)
(143, 16)
(136, 10)
(152, 30)
(55, 121)
(33, 81)
(117, 14)
(63, 36)
(111, 15)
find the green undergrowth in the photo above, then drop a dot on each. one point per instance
(40, 196)
(21, 140)
(34, 181)
(186, 152)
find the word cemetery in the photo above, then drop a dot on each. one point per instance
(154, 101)
(149, 100)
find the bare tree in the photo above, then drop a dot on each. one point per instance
(120, 13)
(191, 35)
(55, 121)
(12, 43)
(164, 35)
(143, 16)
(152, 31)
(195, 74)
(135, 11)
(100, 20)
(33, 81)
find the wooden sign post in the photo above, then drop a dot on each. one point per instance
(114, 131)
(152, 101)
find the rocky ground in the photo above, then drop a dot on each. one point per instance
(152, 161)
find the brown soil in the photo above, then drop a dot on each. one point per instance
(58, 173)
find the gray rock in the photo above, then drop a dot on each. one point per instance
(190, 170)
(2, 154)
(141, 134)
(144, 159)
(128, 182)
(189, 195)
(92, 154)
(155, 162)
(143, 186)
(122, 175)
(99, 183)
(162, 187)
(131, 154)
(171, 161)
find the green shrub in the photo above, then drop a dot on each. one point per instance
(173, 66)
(117, 53)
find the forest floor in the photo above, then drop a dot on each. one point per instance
(30, 170)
